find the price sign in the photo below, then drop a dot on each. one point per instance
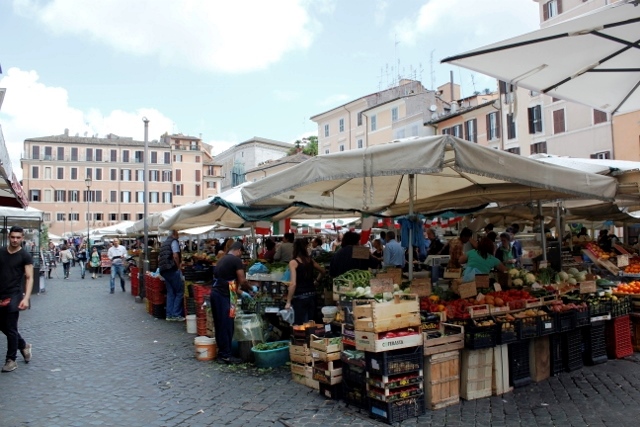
(421, 287)
(482, 280)
(497, 287)
(587, 287)
(467, 290)
(380, 286)
(360, 252)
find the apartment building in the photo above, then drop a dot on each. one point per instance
(397, 112)
(55, 169)
(237, 160)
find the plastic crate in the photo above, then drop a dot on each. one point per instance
(506, 336)
(519, 370)
(527, 328)
(582, 316)
(635, 333)
(621, 307)
(572, 347)
(354, 394)
(354, 374)
(199, 292)
(158, 311)
(546, 324)
(566, 321)
(395, 361)
(556, 360)
(479, 337)
(618, 337)
(398, 411)
(333, 392)
(595, 345)
(599, 307)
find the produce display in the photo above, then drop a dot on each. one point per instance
(631, 288)
(598, 251)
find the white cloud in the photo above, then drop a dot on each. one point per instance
(232, 36)
(334, 100)
(32, 109)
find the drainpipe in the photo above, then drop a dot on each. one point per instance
(349, 116)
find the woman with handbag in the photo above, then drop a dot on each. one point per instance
(65, 258)
(94, 262)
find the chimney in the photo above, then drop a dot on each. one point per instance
(66, 132)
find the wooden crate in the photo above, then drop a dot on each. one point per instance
(324, 344)
(370, 341)
(402, 312)
(323, 356)
(442, 379)
(500, 381)
(301, 370)
(540, 359)
(476, 373)
(446, 343)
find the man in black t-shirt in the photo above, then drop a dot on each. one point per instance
(228, 269)
(16, 266)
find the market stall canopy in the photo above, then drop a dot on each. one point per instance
(215, 232)
(11, 192)
(450, 173)
(25, 218)
(591, 59)
(119, 229)
(153, 221)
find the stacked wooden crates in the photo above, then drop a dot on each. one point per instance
(300, 353)
(327, 366)
(442, 365)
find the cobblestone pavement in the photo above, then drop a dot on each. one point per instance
(101, 360)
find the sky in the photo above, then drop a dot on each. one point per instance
(227, 70)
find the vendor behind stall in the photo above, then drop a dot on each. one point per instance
(459, 246)
(506, 253)
(302, 289)
(343, 260)
(480, 261)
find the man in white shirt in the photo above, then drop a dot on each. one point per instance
(117, 253)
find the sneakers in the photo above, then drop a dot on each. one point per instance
(26, 353)
(229, 360)
(112, 291)
(10, 366)
(175, 319)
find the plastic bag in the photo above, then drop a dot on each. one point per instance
(258, 268)
(287, 315)
(247, 327)
(470, 274)
(286, 277)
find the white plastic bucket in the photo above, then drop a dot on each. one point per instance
(192, 326)
(206, 348)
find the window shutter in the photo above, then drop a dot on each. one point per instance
(545, 11)
(488, 118)
(531, 122)
(594, 156)
(474, 126)
(607, 154)
(538, 113)
(498, 125)
(465, 131)
(503, 87)
(559, 6)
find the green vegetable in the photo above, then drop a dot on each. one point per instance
(270, 346)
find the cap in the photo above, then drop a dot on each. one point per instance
(236, 246)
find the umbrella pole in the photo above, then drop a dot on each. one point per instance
(410, 266)
(254, 249)
(543, 237)
(559, 230)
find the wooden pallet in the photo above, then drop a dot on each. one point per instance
(500, 381)
(476, 373)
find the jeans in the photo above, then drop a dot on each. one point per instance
(117, 269)
(304, 309)
(9, 327)
(65, 268)
(223, 324)
(175, 292)
(83, 266)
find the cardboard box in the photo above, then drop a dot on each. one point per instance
(370, 341)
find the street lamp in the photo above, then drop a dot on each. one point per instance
(145, 265)
(87, 182)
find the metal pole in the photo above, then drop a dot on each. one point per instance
(88, 184)
(145, 267)
(410, 266)
(543, 237)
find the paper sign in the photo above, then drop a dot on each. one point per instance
(480, 296)
(421, 287)
(543, 264)
(327, 328)
(380, 286)
(622, 260)
(467, 290)
(497, 287)
(587, 287)
(360, 252)
(482, 280)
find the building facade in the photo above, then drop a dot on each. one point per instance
(55, 170)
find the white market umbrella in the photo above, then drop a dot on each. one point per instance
(592, 59)
(153, 221)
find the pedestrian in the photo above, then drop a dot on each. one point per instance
(94, 262)
(82, 259)
(284, 251)
(229, 277)
(393, 253)
(302, 288)
(65, 258)
(16, 267)
(116, 254)
(170, 263)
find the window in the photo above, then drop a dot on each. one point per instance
(326, 130)
(211, 184)
(98, 154)
(551, 8)
(400, 133)
(74, 216)
(197, 190)
(47, 173)
(167, 158)
(457, 131)
(414, 130)
(140, 175)
(539, 147)
(139, 216)
(555, 99)
(125, 156)
(139, 156)
(113, 174)
(47, 153)
(125, 174)
(74, 154)
(154, 197)
(35, 152)
(125, 197)
(394, 114)
(535, 119)
(87, 196)
(326, 151)
(114, 155)
(88, 173)
(558, 121)
(60, 154)
(47, 195)
(198, 177)
(514, 150)
(374, 123)
(98, 174)
(511, 127)
(46, 217)
(99, 216)
(599, 117)
(34, 195)
(35, 172)
(178, 189)
(60, 173)
(61, 217)
(341, 125)
(166, 176)
(341, 147)
(154, 157)
(507, 91)
(113, 196)
(74, 173)
(360, 119)
(88, 156)
(360, 143)
(74, 195)
(471, 130)
(177, 158)
(197, 159)
(178, 175)
(139, 196)
(113, 217)
(60, 196)
(601, 155)
(125, 217)
(167, 197)
(154, 175)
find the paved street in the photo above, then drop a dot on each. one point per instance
(101, 360)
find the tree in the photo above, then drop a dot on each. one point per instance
(308, 145)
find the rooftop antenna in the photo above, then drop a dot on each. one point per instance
(432, 71)
(473, 83)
